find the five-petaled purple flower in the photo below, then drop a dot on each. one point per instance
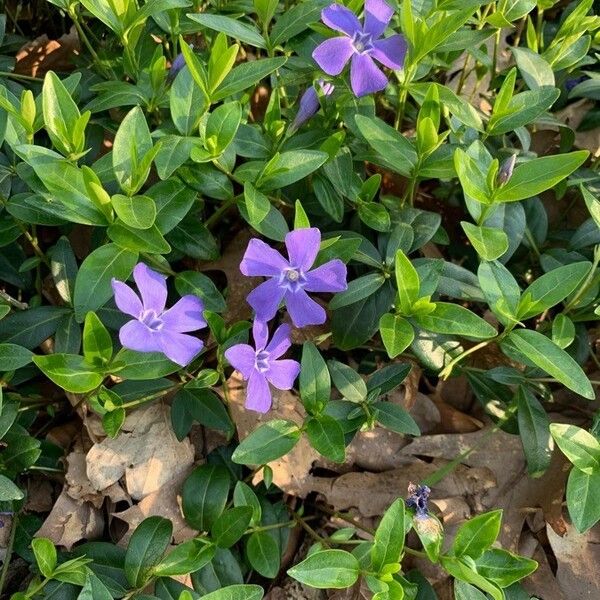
(289, 280)
(309, 103)
(361, 44)
(261, 365)
(154, 329)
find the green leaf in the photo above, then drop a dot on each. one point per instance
(188, 102)
(13, 357)
(288, 167)
(389, 537)
(244, 495)
(236, 592)
(206, 407)
(221, 127)
(357, 289)
(258, 204)
(374, 215)
(315, 382)
(326, 436)
(563, 331)
(407, 282)
(204, 495)
(45, 555)
(466, 591)
(92, 285)
(231, 27)
(185, 558)
(263, 554)
(583, 491)
(9, 490)
(94, 589)
(580, 447)
(472, 179)
(269, 442)
(113, 421)
(70, 371)
(500, 289)
(535, 69)
(97, 343)
(540, 174)
(458, 569)
(534, 431)
(490, 243)
(504, 568)
(135, 211)
(553, 287)
(396, 333)
(140, 366)
(349, 383)
(394, 417)
(295, 20)
(327, 569)
(477, 534)
(389, 143)
(455, 319)
(431, 534)
(388, 378)
(247, 75)
(231, 526)
(546, 355)
(146, 549)
(138, 240)
(198, 284)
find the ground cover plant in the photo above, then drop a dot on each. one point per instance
(299, 299)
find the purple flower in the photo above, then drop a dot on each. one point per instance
(177, 65)
(419, 496)
(260, 366)
(309, 103)
(154, 329)
(289, 280)
(360, 44)
(506, 169)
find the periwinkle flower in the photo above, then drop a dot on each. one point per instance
(418, 499)
(290, 280)
(154, 329)
(360, 44)
(262, 364)
(177, 65)
(506, 169)
(309, 103)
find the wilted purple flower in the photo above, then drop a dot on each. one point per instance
(574, 81)
(419, 496)
(154, 329)
(289, 280)
(176, 66)
(260, 365)
(309, 103)
(360, 44)
(506, 169)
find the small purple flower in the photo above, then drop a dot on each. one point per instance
(309, 103)
(506, 169)
(154, 329)
(176, 66)
(360, 45)
(289, 280)
(260, 365)
(575, 81)
(419, 496)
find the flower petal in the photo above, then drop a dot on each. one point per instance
(281, 341)
(365, 76)
(333, 54)
(260, 260)
(308, 106)
(340, 18)
(303, 246)
(243, 358)
(377, 15)
(185, 315)
(136, 336)
(330, 277)
(152, 287)
(283, 373)
(260, 333)
(390, 52)
(304, 310)
(265, 299)
(258, 394)
(179, 347)
(126, 299)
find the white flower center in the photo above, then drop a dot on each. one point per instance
(262, 360)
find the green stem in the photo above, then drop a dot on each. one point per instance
(19, 76)
(447, 370)
(583, 288)
(218, 214)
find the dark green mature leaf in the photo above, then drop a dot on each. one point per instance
(296, 20)
(263, 554)
(231, 27)
(477, 534)
(583, 491)
(247, 75)
(534, 431)
(504, 568)
(204, 495)
(389, 377)
(146, 548)
(231, 526)
(269, 442)
(315, 382)
(543, 353)
(359, 288)
(394, 417)
(29, 328)
(185, 558)
(326, 436)
(455, 319)
(335, 569)
(9, 490)
(349, 383)
(70, 371)
(460, 570)
(13, 357)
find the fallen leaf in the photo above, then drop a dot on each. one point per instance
(146, 452)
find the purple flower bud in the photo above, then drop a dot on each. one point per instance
(418, 498)
(176, 66)
(574, 81)
(309, 104)
(506, 169)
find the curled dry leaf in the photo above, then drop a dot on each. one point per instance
(146, 452)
